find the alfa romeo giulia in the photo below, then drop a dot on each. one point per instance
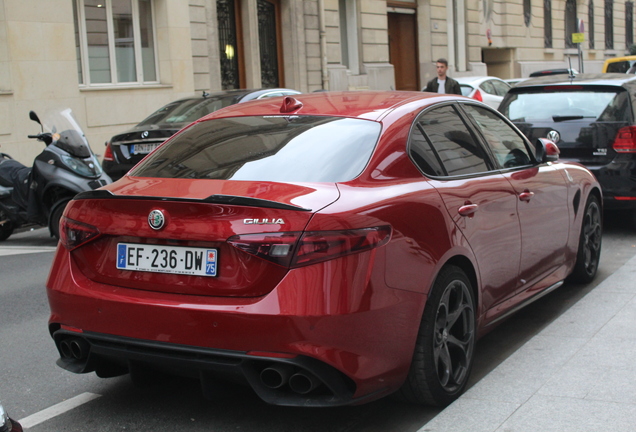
(325, 249)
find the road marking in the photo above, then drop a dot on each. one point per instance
(19, 250)
(56, 410)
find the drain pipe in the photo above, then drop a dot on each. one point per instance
(323, 45)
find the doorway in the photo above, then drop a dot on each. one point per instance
(403, 49)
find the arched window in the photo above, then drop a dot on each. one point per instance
(609, 24)
(527, 12)
(570, 22)
(230, 48)
(590, 19)
(629, 24)
(547, 23)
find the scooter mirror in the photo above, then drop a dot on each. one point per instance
(33, 116)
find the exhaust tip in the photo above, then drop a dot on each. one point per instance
(65, 349)
(303, 383)
(79, 348)
(276, 376)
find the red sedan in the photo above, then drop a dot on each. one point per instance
(326, 250)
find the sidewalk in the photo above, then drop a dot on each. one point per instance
(578, 374)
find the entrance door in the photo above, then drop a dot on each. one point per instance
(270, 43)
(403, 50)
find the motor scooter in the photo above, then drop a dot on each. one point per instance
(66, 167)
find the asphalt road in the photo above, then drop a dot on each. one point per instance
(32, 386)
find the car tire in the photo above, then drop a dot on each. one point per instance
(445, 346)
(6, 229)
(590, 238)
(55, 219)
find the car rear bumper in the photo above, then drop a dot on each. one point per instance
(618, 182)
(356, 340)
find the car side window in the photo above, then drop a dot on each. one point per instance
(422, 153)
(488, 87)
(454, 146)
(508, 147)
(501, 88)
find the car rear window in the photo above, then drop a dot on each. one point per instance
(271, 148)
(187, 111)
(552, 104)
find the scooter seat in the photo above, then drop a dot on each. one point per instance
(5, 191)
(9, 169)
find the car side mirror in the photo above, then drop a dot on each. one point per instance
(547, 151)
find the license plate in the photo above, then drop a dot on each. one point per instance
(167, 259)
(143, 148)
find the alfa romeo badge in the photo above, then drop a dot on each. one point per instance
(156, 219)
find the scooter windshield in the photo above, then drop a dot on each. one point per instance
(66, 132)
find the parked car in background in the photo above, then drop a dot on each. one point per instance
(124, 150)
(327, 249)
(489, 90)
(625, 64)
(6, 423)
(591, 118)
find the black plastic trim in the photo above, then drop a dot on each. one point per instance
(115, 355)
(212, 199)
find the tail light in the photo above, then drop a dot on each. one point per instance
(295, 249)
(478, 96)
(74, 234)
(625, 141)
(108, 154)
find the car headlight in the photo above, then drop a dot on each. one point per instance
(87, 167)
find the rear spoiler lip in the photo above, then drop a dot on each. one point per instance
(212, 199)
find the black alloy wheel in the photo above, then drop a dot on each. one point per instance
(55, 219)
(445, 346)
(589, 252)
(6, 228)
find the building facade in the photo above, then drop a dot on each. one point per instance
(115, 61)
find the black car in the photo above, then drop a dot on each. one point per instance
(123, 151)
(591, 118)
(547, 72)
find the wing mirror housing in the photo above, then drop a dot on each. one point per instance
(547, 151)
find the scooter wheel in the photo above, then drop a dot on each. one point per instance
(6, 230)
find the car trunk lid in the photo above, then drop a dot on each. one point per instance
(173, 258)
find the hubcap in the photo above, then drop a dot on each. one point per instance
(592, 234)
(454, 336)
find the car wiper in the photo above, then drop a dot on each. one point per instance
(558, 118)
(215, 199)
(520, 119)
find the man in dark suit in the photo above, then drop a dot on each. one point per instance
(448, 85)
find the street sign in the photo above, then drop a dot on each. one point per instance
(578, 37)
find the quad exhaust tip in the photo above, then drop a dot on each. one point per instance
(299, 381)
(74, 349)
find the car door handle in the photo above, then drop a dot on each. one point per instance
(526, 196)
(467, 210)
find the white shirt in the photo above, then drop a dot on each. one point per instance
(442, 86)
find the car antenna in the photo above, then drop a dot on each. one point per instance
(205, 94)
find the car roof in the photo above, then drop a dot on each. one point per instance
(609, 79)
(371, 105)
(254, 93)
(471, 79)
(618, 59)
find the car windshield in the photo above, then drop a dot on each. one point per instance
(271, 148)
(601, 104)
(189, 110)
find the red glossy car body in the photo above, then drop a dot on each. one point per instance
(337, 321)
